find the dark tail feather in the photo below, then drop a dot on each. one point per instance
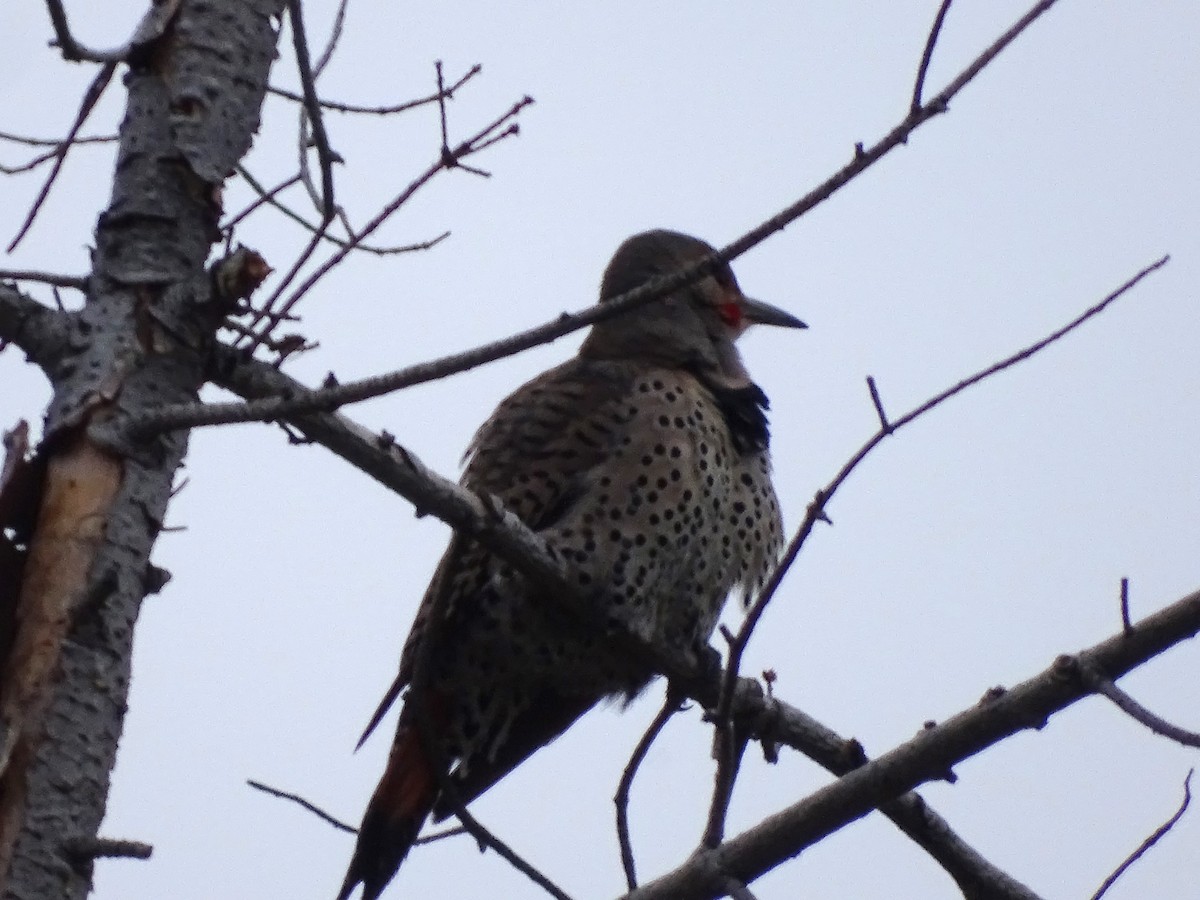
(549, 716)
(394, 817)
(381, 710)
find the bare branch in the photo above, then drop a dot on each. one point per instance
(264, 197)
(816, 508)
(269, 197)
(467, 148)
(313, 109)
(621, 799)
(1125, 622)
(864, 158)
(90, 98)
(30, 164)
(884, 424)
(440, 835)
(1151, 840)
(72, 50)
(55, 142)
(927, 55)
(335, 106)
(400, 471)
(924, 758)
(311, 807)
(1100, 683)
(449, 794)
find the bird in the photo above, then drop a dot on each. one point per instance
(643, 464)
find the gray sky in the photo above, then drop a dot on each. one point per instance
(967, 552)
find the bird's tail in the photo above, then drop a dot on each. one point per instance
(398, 808)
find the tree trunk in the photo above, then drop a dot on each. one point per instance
(141, 341)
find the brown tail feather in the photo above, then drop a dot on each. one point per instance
(394, 817)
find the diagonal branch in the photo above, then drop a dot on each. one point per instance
(1150, 841)
(269, 197)
(384, 110)
(925, 758)
(72, 50)
(481, 139)
(352, 392)
(621, 799)
(816, 513)
(313, 109)
(400, 471)
(1100, 683)
(816, 509)
(90, 98)
(927, 56)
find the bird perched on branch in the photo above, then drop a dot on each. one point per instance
(643, 464)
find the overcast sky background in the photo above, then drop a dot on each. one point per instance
(968, 551)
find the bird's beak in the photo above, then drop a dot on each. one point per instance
(758, 313)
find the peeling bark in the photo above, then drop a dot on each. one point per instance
(141, 341)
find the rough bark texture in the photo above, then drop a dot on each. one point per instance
(140, 342)
(926, 757)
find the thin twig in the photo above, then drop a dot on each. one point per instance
(45, 157)
(1125, 621)
(925, 757)
(287, 345)
(823, 496)
(730, 747)
(335, 35)
(312, 808)
(884, 424)
(72, 50)
(55, 142)
(335, 106)
(313, 109)
(816, 508)
(1151, 840)
(264, 197)
(30, 164)
(440, 835)
(449, 159)
(863, 159)
(927, 55)
(488, 838)
(621, 799)
(268, 197)
(463, 150)
(90, 97)
(1100, 683)
(403, 473)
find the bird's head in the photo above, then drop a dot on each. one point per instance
(695, 325)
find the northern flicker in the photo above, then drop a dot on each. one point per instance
(643, 464)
